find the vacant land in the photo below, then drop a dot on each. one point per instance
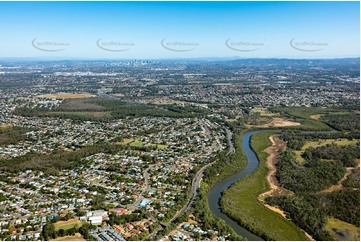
(76, 237)
(343, 231)
(71, 223)
(322, 142)
(241, 201)
(126, 141)
(274, 188)
(138, 143)
(67, 95)
(276, 122)
(81, 104)
(316, 116)
(312, 118)
(263, 112)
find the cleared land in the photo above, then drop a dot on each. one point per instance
(343, 231)
(138, 143)
(241, 202)
(263, 112)
(276, 122)
(67, 95)
(321, 142)
(275, 189)
(4, 126)
(316, 116)
(71, 223)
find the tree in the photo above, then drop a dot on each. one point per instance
(49, 231)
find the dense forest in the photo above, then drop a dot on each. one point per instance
(349, 121)
(311, 211)
(322, 167)
(315, 175)
(101, 109)
(346, 154)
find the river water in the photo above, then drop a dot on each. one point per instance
(215, 194)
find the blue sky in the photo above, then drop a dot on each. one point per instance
(188, 29)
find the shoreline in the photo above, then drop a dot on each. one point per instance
(274, 188)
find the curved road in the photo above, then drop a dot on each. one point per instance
(196, 182)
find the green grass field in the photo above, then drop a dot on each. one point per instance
(345, 231)
(138, 143)
(240, 201)
(71, 223)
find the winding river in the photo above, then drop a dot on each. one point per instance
(214, 196)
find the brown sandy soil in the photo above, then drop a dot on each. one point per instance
(316, 116)
(276, 122)
(76, 237)
(275, 189)
(72, 220)
(68, 95)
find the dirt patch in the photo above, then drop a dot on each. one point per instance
(118, 94)
(275, 189)
(316, 116)
(70, 221)
(67, 95)
(276, 122)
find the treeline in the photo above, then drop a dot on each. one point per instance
(226, 165)
(306, 212)
(12, 135)
(117, 109)
(296, 139)
(121, 109)
(346, 154)
(58, 160)
(350, 121)
(315, 175)
(343, 205)
(202, 213)
(353, 180)
(310, 212)
(49, 231)
(125, 218)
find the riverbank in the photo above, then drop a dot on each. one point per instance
(274, 188)
(240, 202)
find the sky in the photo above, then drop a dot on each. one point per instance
(151, 30)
